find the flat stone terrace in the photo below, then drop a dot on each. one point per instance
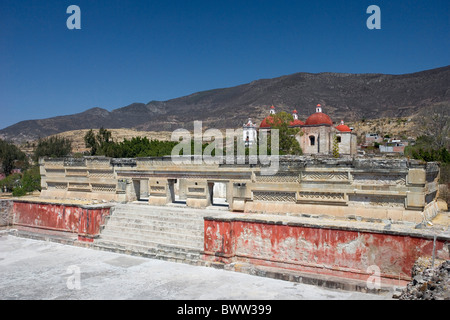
(176, 233)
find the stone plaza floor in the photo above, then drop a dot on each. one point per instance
(42, 270)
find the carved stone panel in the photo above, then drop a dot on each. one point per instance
(102, 174)
(274, 196)
(325, 176)
(279, 177)
(379, 179)
(377, 200)
(321, 196)
(103, 188)
(56, 185)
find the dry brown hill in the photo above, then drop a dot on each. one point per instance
(352, 97)
(77, 138)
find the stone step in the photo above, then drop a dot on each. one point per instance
(174, 234)
(152, 240)
(155, 226)
(161, 211)
(173, 255)
(161, 235)
(138, 219)
(152, 229)
(153, 248)
(142, 218)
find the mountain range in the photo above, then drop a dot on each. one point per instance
(350, 97)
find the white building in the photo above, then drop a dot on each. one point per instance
(250, 133)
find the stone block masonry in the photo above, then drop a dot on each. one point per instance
(6, 215)
(396, 189)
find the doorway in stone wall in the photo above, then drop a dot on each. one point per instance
(177, 191)
(142, 193)
(217, 191)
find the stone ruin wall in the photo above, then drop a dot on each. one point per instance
(401, 190)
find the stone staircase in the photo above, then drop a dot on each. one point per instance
(168, 233)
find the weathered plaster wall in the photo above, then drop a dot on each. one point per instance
(308, 248)
(82, 220)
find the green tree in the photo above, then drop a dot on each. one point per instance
(29, 182)
(104, 140)
(335, 147)
(11, 157)
(288, 143)
(101, 144)
(91, 142)
(11, 182)
(54, 147)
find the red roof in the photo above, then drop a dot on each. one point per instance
(318, 118)
(296, 123)
(343, 128)
(267, 122)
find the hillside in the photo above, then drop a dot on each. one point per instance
(351, 97)
(77, 138)
(398, 128)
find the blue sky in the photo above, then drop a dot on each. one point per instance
(138, 51)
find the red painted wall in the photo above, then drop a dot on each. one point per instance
(84, 221)
(314, 249)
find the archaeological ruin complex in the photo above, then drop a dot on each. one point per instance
(382, 189)
(315, 219)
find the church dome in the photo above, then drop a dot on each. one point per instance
(296, 123)
(343, 128)
(318, 118)
(267, 122)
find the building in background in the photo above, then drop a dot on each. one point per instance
(318, 134)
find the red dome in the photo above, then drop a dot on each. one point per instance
(318, 118)
(267, 122)
(296, 123)
(343, 128)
